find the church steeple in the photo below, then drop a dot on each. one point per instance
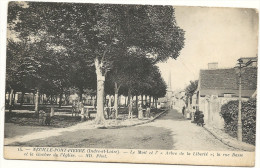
(169, 86)
(169, 93)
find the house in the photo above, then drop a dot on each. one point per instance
(218, 86)
(162, 102)
(173, 99)
(178, 100)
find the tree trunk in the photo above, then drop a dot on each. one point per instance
(142, 100)
(113, 101)
(100, 119)
(153, 101)
(37, 103)
(43, 99)
(80, 94)
(11, 100)
(105, 99)
(40, 99)
(8, 100)
(116, 99)
(109, 105)
(14, 96)
(33, 99)
(125, 101)
(51, 99)
(93, 101)
(60, 102)
(156, 102)
(56, 101)
(136, 102)
(150, 101)
(130, 104)
(145, 99)
(22, 98)
(128, 99)
(66, 99)
(116, 103)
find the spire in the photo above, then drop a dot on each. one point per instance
(169, 91)
(169, 87)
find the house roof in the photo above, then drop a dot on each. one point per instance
(162, 100)
(225, 81)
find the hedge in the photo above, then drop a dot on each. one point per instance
(229, 112)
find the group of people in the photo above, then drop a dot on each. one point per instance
(186, 113)
(199, 118)
(109, 112)
(195, 115)
(77, 107)
(144, 111)
(44, 117)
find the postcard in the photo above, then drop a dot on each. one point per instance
(162, 84)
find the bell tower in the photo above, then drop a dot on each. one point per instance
(169, 86)
(169, 92)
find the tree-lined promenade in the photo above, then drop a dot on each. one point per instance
(99, 49)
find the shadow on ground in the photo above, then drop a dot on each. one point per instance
(144, 137)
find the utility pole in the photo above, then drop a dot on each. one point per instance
(239, 122)
(241, 65)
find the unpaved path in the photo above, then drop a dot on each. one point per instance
(186, 135)
(170, 131)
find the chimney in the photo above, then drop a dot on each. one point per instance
(213, 65)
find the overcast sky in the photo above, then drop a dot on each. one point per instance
(212, 35)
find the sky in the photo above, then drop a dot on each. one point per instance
(212, 35)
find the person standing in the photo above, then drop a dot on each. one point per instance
(106, 111)
(183, 110)
(148, 110)
(140, 112)
(81, 111)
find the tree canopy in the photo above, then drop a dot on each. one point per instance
(80, 45)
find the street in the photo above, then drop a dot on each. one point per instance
(170, 131)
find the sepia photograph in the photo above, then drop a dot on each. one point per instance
(131, 83)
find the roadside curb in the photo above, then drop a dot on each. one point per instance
(230, 141)
(131, 125)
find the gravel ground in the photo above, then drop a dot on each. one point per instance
(187, 135)
(171, 131)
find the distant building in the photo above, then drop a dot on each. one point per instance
(169, 92)
(162, 102)
(218, 86)
(178, 100)
(172, 99)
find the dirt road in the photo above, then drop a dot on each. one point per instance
(171, 131)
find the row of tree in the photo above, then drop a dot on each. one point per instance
(103, 48)
(190, 90)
